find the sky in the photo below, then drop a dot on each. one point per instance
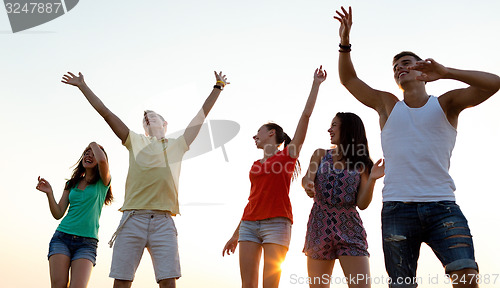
(161, 55)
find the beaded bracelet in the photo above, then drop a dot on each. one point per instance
(345, 48)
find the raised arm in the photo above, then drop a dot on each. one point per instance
(308, 179)
(365, 192)
(195, 125)
(118, 127)
(301, 130)
(482, 85)
(102, 163)
(57, 209)
(381, 101)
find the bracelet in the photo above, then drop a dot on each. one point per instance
(222, 82)
(218, 87)
(345, 48)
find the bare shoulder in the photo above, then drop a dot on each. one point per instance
(316, 157)
(447, 101)
(388, 101)
(447, 97)
(319, 153)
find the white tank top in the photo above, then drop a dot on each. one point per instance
(417, 145)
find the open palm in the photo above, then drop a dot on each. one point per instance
(72, 79)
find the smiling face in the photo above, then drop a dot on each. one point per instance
(335, 131)
(401, 71)
(88, 160)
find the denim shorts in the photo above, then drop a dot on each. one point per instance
(75, 247)
(406, 225)
(276, 230)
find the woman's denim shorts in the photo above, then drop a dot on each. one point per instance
(272, 230)
(75, 247)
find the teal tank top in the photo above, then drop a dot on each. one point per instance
(84, 210)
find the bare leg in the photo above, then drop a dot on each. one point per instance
(317, 269)
(274, 255)
(167, 283)
(358, 269)
(59, 270)
(465, 278)
(80, 273)
(122, 283)
(250, 253)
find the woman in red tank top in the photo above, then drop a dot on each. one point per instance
(267, 219)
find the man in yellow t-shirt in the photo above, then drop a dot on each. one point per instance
(151, 190)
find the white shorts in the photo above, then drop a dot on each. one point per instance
(154, 230)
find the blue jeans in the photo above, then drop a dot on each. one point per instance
(405, 225)
(75, 247)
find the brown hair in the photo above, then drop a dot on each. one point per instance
(282, 137)
(161, 117)
(405, 53)
(79, 174)
(353, 146)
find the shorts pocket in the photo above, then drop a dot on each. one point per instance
(92, 242)
(171, 223)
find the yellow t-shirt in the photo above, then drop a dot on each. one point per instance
(153, 173)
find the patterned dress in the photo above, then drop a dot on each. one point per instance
(335, 228)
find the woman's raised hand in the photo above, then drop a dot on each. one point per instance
(72, 79)
(319, 75)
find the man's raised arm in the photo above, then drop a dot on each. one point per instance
(482, 85)
(120, 129)
(195, 125)
(372, 98)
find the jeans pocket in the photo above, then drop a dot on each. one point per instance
(447, 204)
(390, 207)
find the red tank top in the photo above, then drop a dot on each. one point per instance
(270, 188)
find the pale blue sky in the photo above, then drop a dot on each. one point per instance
(161, 55)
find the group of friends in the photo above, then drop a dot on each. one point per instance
(418, 136)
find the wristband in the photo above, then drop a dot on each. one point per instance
(345, 48)
(218, 87)
(222, 82)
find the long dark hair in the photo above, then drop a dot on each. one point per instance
(283, 138)
(79, 174)
(353, 146)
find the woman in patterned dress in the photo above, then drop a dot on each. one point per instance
(340, 179)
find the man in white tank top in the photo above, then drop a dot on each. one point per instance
(418, 194)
